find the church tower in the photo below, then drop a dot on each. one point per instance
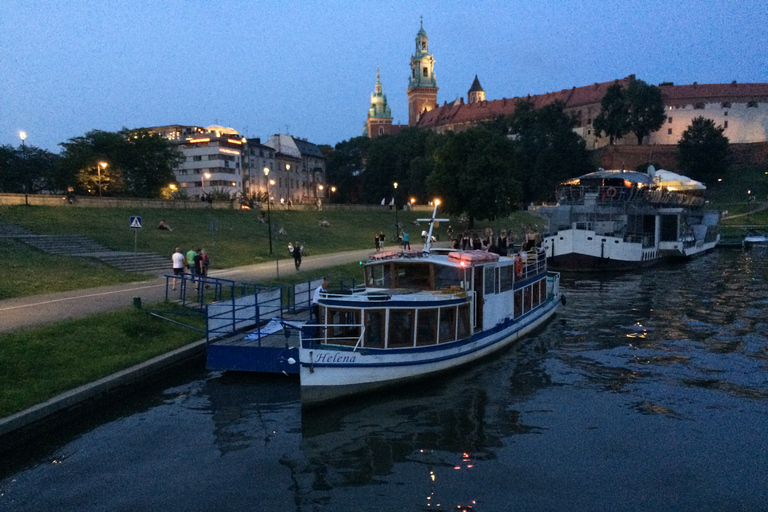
(476, 94)
(379, 120)
(422, 87)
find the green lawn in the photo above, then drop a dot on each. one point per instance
(231, 238)
(42, 362)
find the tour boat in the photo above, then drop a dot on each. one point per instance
(621, 220)
(420, 313)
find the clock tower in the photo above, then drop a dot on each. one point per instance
(422, 86)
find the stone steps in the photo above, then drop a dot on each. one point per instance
(80, 246)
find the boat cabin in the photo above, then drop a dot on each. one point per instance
(414, 299)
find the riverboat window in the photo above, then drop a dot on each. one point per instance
(374, 328)
(518, 303)
(527, 298)
(342, 329)
(506, 277)
(535, 294)
(400, 328)
(445, 277)
(447, 324)
(412, 275)
(462, 327)
(426, 327)
(379, 276)
(489, 277)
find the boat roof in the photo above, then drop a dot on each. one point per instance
(449, 258)
(674, 181)
(633, 176)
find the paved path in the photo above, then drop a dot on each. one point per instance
(45, 309)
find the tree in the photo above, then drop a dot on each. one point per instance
(646, 109)
(343, 167)
(546, 149)
(703, 151)
(473, 173)
(138, 164)
(26, 169)
(613, 119)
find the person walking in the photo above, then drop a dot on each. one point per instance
(406, 241)
(191, 262)
(177, 260)
(198, 262)
(296, 255)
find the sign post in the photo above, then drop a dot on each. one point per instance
(135, 226)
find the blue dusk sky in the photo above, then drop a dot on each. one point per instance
(308, 68)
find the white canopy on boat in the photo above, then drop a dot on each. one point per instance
(674, 181)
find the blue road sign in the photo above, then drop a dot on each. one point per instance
(135, 222)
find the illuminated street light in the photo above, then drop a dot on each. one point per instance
(269, 209)
(397, 223)
(99, 167)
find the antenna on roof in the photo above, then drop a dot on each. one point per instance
(428, 243)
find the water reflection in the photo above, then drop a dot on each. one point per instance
(640, 395)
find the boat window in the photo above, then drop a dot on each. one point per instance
(412, 275)
(426, 327)
(379, 276)
(344, 326)
(543, 290)
(518, 303)
(488, 277)
(507, 277)
(400, 328)
(447, 324)
(445, 277)
(527, 298)
(535, 294)
(463, 322)
(374, 328)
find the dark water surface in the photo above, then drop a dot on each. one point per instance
(648, 391)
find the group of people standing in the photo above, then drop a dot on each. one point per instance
(195, 262)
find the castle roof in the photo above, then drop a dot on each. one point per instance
(458, 113)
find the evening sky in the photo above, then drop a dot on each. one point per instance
(308, 68)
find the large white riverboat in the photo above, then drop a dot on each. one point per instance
(421, 313)
(621, 220)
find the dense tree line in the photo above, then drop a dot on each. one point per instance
(126, 163)
(486, 172)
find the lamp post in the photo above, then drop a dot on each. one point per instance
(23, 136)
(269, 210)
(397, 223)
(99, 167)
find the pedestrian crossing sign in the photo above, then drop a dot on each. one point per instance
(135, 222)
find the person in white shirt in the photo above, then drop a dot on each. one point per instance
(178, 264)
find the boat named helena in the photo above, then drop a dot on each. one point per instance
(622, 220)
(421, 313)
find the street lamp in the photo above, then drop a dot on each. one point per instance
(397, 223)
(99, 167)
(206, 176)
(269, 210)
(23, 136)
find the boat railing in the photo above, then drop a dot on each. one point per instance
(579, 194)
(318, 334)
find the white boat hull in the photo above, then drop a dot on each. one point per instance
(331, 373)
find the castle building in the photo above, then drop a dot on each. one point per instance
(740, 109)
(379, 120)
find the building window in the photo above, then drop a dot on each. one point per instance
(669, 131)
(424, 72)
(726, 104)
(197, 158)
(751, 104)
(725, 124)
(725, 113)
(669, 120)
(698, 106)
(381, 130)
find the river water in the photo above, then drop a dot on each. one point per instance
(648, 391)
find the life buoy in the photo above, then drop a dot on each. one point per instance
(610, 193)
(519, 266)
